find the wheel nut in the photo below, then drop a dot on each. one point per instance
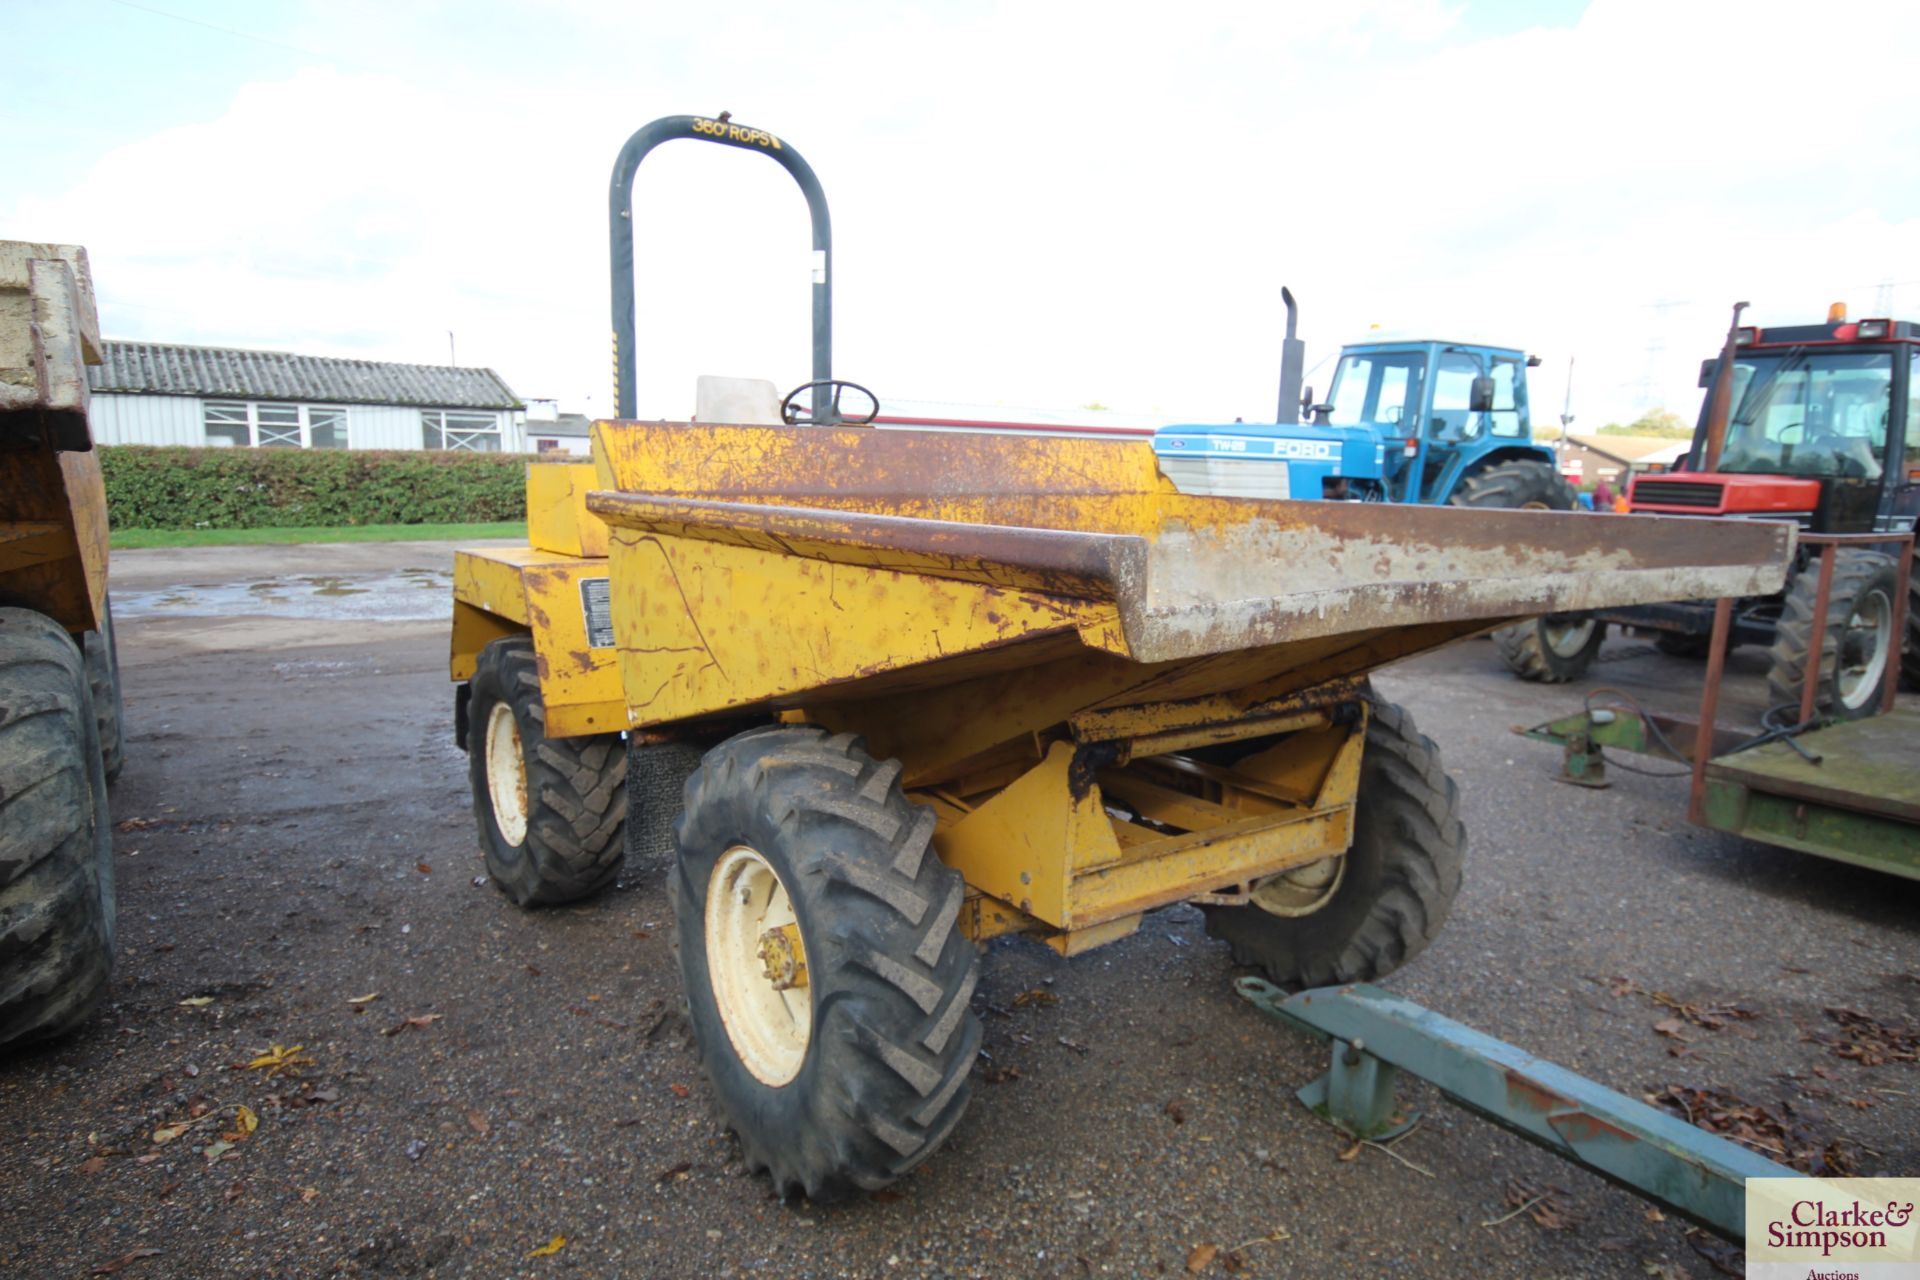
(783, 957)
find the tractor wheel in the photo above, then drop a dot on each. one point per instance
(1553, 649)
(550, 810)
(1682, 644)
(1380, 905)
(1525, 484)
(657, 776)
(56, 840)
(103, 677)
(826, 980)
(1859, 640)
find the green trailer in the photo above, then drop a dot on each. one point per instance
(1842, 789)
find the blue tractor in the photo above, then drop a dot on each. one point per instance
(1416, 420)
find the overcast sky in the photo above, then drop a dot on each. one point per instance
(1034, 204)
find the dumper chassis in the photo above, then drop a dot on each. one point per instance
(951, 687)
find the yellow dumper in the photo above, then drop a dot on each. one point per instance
(950, 686)
(953, 686)
(60, 739)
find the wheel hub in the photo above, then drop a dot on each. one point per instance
(1303, 890)
(506, 774)
(757, 966)
(1860, 665)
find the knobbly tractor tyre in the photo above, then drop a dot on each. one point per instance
(56, 840)
(1554, 649)
(103, 679)
(1859, 640)
(827, 980)
(1360, 917)
(1551, 650)
(551, 811)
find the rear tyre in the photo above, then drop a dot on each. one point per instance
(1560, 647)
(551, 811)
(56, 840)
(103, 678)
(1682, 644)
(855, 1075)
(1397, 884)
(1859, 639)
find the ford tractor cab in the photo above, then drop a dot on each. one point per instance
(1419, 420)
(1820, 428)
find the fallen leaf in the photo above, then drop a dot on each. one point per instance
(1037, 996)
(124, 1260)
(214, 1150)
(166, 1191)
(168, 1132)
(93, 1164)
(1670, 1027)
(1175, 1112)
(418, 1020)
(424, 868)
(1201, 1258)
(1654, 1215)
(196, 1002)
(679, 1090)
(478, 1123)
(548, 1249)
(234, 1192)
(280, 1061)
(1352, 1153)
(245, 1121)
(368, 998)
(673, 1171)
(309, 1194)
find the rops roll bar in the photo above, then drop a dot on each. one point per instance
(620, 238)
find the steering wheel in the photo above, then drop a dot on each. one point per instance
(796, 414)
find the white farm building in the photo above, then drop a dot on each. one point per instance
(166, 394)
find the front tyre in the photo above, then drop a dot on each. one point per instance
(826, 979)
(551, 811)
(1859, 640)
(1559, 647)
(1391, 893)
(56, 840)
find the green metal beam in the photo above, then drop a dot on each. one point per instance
(1656, 1155)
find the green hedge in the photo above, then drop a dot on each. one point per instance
(167, 488)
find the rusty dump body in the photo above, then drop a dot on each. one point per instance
(53, 506)
(1050, 639)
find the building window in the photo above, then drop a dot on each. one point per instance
(445, 429)
(244, 424)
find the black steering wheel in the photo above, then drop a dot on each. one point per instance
(796, 414)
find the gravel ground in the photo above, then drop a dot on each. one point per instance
(295, 836)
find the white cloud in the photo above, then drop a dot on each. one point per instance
(1034, 204)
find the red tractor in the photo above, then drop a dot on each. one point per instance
(1817, 424)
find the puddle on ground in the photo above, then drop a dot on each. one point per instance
(411, 595)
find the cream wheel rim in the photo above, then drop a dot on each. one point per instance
(1303, 890)
(768, 1024)
(507, 774)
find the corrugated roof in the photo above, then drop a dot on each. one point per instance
(169, 369)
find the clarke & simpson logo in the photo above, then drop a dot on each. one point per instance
(1833, 1229)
